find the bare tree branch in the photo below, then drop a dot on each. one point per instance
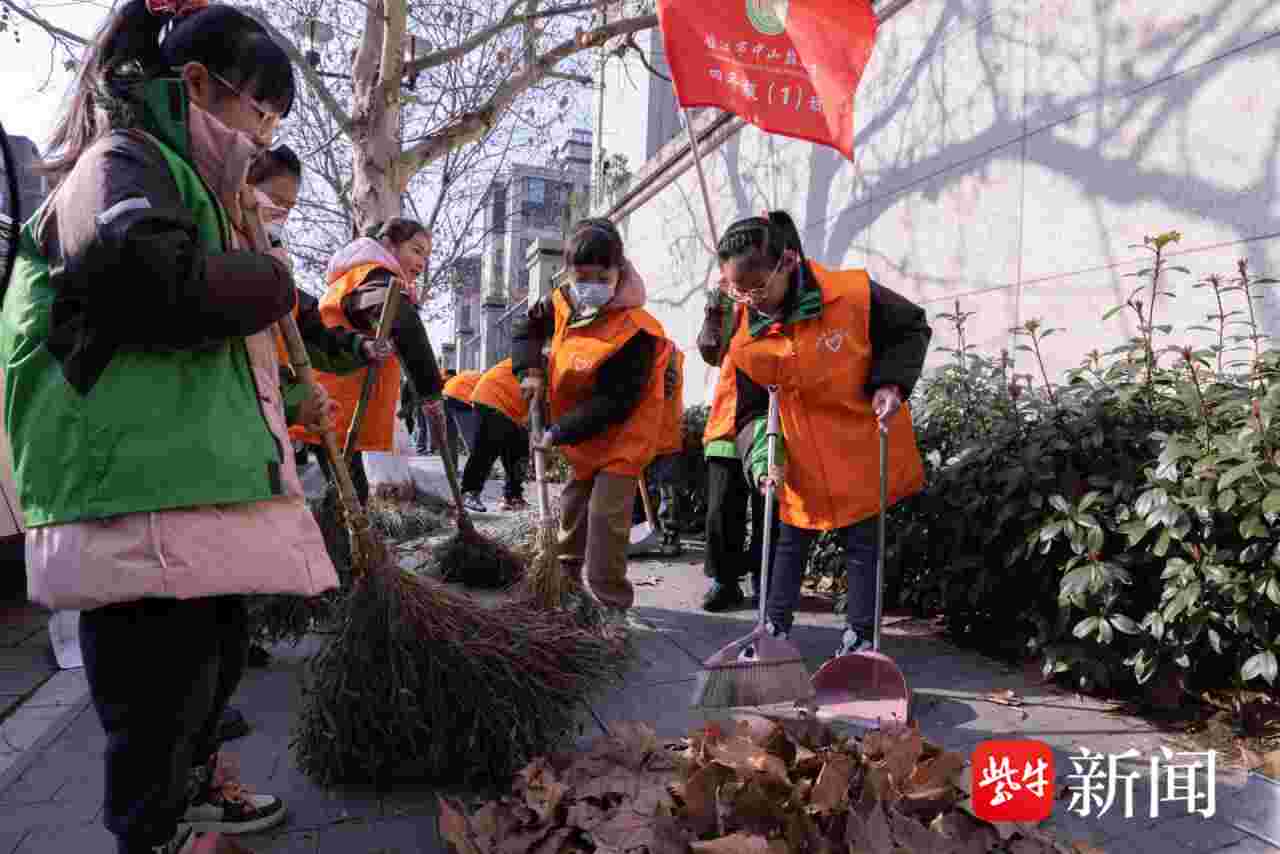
(54, 31)
(313, 78)
(472, 126)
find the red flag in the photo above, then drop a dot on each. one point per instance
(789, 67)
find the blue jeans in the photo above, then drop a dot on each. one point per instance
(787, 574)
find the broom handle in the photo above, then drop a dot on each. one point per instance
(648, 505)
(766, 526)
(702, 178)
(880, 527)
(451, 473)
(384, 330)
(539, 457)
(361, 547)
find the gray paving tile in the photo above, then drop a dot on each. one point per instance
(664, 707)
(1255, 809)
(293, 842)
(1250, 845)
(390, 836)
(63, 688)
(68, 838)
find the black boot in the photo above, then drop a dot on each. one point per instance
(723, 597)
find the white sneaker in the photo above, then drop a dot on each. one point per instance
(852, 641)
(220, 804)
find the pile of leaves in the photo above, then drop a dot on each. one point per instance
(757, 784)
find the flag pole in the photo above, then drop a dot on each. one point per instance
(702, 178)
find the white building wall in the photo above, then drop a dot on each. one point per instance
(1008, 155)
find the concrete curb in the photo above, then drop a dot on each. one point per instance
(41, 720)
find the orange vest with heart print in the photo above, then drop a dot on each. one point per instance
(499, 389)
(673, 421)
(624, 449)
(821, 367)
(377, 430)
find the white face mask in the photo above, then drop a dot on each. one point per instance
(590, 296)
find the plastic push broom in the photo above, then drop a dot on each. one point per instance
(759, 669)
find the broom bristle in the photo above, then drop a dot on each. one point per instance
(754, 684)
(478, 561)
(424, 683)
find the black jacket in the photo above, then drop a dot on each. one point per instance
(364, 307)
(620, 380)
(115, 272)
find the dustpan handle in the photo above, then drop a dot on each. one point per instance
(766, 525)
(880, 528)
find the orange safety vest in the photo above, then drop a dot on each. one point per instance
(672, 441)
(624, 449)
(377, 430)
(724, 405)
(821, 368)
(499, 389)
(462, 385)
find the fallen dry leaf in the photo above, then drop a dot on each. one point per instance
(1007, 697)
(740, 843)
(1270, 765)
(1085, 848)
(831, 791)
(808, 764)
(554, 841)
(744, 757)
(915, 837)
(455, 828)
(585, 815)
(933, 779)
(628, 743)
(700, 798)
(868, 833)
(965, 831)
(625, 831)
(901, 757)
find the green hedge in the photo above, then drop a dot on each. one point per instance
(1121, 520)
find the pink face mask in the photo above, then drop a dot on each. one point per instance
(222, 155)
(270, 213)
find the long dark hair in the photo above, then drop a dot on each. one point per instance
(281, 160)
(398, 230)
(758, 242)
(594, 243)
(129, 51)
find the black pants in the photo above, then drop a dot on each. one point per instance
(497, 436)
(728, 495)
(358, 478)
(160, 673)
(422, 438)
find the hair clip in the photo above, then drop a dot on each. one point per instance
(175, 8)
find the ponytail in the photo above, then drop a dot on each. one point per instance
(397, 230)
(137, 45)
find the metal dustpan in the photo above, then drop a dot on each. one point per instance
(645, 537)
(866, 688)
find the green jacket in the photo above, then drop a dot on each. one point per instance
(122, 334)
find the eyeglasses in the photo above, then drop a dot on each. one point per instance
(268, 119)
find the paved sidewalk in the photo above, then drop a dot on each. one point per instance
(50, 802)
